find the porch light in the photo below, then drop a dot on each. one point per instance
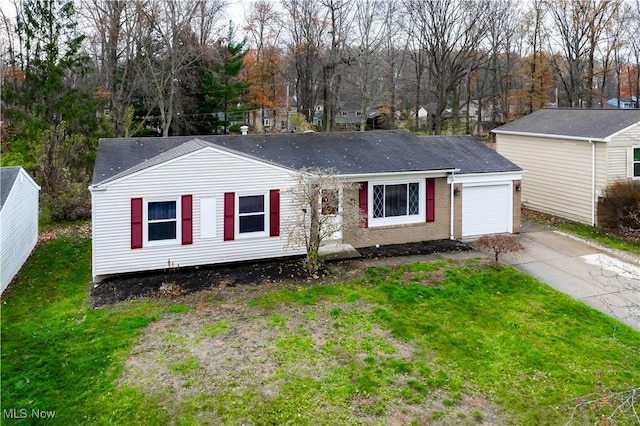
(456, 192)
(518, 187)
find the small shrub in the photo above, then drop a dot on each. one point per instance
(499, 244)
(620, 205)
(170, 290)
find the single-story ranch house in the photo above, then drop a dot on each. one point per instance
(18, 221)
(187, 201)
(570, 156)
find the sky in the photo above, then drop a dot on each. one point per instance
(235, 9)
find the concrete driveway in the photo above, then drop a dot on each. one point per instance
(604, 280)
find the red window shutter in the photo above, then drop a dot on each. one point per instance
(229, 213)
(187, 219)
(363, 201)
(274, 213)
(431, 200)
(136, 223)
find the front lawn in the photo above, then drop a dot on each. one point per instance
(425, 343)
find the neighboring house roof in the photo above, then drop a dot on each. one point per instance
(469, 155)
(585, 124)
(349, 153)
(8, 176)
(624, 102)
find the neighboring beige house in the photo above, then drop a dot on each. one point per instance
(570, 156)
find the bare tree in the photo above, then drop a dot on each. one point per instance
(395, 48)
(115, 24)
(504, 21)
(306, 29)
(265, 71)
(453, 32)
(170, 51)
(580, 25)
(336, 57)
(633, 16)
(416, 46)
(369, 31)
(323, 207)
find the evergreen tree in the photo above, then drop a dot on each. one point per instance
(222, 85)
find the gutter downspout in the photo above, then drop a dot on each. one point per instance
(453, 182)
(593, 183)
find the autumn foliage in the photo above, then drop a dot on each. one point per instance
(499, 244)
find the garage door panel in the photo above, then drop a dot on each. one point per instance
(486, 209)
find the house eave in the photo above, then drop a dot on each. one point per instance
(486, 177)
(552, 136)
(366, 176)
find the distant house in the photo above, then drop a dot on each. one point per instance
(473, 109)
(18, 221)
(274, 119)
(571, 155)
(190, 201)
(346, 117)
(630, 102)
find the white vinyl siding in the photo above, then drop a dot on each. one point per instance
(620, 155)
(18, 227)
(206, 174)
(557, 175)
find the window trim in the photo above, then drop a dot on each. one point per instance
(266, 212)
(398, 220)
(145, 221)
(634, 162)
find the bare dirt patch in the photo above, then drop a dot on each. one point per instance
(226, 350)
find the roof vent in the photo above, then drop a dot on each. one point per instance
(244, 130)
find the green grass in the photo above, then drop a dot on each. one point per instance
(600, 236)
(485, 331)
(58, 354)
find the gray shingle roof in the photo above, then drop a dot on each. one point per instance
(469, 154)
(347, 153)
(8, 176)
(597, 124)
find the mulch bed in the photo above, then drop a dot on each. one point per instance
(173, 282)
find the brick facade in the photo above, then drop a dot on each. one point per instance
(398, 234)
(440, 229)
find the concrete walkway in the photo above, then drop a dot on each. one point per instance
(604, 280)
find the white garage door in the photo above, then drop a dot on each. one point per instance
(486, 209)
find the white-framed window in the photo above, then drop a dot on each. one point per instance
(161, 221)
(636, 162)
(252, 215)
(344, 113)
(358, 113)
(396, 202)
(267, 122)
